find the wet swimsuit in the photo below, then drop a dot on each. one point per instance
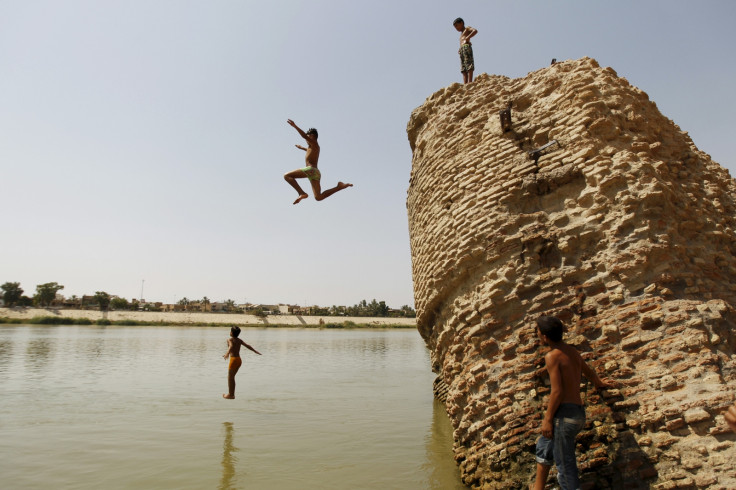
(466, 58)
(235, 362)
(312, 173)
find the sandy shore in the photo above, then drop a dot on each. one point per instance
(183, 318)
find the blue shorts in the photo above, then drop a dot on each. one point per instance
(560, 450)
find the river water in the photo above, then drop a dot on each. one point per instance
(141, 407)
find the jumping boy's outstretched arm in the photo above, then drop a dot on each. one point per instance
(304, 135)
(249, 347)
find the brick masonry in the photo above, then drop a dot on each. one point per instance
(623, 229)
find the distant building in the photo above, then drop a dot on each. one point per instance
(173, 307)
(302, 310)
(219, 307)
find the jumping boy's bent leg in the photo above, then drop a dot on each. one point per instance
(235, 364)
(291, 177)
(319, 195)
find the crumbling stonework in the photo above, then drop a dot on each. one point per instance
(623, 229)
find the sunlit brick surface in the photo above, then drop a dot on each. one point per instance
(625, 230)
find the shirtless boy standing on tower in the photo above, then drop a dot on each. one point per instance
(467, 64)
(565, 415)
(310, 171)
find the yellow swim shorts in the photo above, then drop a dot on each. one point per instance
(235, 363)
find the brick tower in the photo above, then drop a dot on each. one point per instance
(567, 192)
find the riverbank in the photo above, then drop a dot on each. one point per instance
(54, 315)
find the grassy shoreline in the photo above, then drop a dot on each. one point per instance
(55, 320)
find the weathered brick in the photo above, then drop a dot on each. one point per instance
(624, 230)
(696, 415)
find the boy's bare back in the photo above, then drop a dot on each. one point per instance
(566, 365)
(234, 346)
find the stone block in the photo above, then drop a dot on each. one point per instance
(674, 424)
(695, 415)
(642, 242)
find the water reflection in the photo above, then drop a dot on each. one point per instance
(38, 354)
(89, 349)
(335, 405)
(6, 351)
(229, 459)
(443, 473)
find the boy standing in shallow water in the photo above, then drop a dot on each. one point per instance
(310, 171)
(565, 415)
(467, 64)
(233, 350)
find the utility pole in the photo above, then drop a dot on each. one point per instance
(143, 281)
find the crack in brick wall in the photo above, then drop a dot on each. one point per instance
(624, 230)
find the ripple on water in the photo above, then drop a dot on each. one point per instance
(141, 407)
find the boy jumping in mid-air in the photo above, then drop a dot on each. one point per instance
(565, 415)
(310, 171)
(233, 350)
(467, 65)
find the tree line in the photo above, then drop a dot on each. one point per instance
(13, 295)
(374, 308)
(46, 294)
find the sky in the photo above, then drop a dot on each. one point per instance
(143, 143)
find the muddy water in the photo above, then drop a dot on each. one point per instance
(141, 407)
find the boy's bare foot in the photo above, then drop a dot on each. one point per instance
(301, 196)
(343, 185)
(228, 396)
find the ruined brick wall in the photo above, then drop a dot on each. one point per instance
(624, 230)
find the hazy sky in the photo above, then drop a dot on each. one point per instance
(145, 140)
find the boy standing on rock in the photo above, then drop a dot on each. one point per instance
(467, 64)
(565, 415)
(310, 171)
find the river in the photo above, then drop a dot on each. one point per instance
(141, 407)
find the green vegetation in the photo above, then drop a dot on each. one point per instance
(57, 320)
(47, 295)
(103, 300)
(364, 308)
(12, 293)
(119, 304)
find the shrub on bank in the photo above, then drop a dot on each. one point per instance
(57, 320)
